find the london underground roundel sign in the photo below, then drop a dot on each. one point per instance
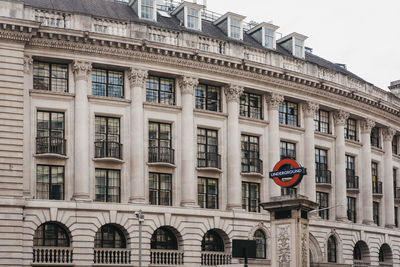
(287, 177)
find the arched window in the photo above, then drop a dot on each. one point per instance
(163, 238)
(51, 234)
(381, 255)
(212, 241)
(331, 249)
(357, 252)
(110, 236)
(259, 237)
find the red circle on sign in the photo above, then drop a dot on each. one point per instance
(295, 179)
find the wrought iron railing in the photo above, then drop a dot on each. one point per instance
(208, 160)
(211, 258)
(351, 179)
(104, 149)
(322, 176)
(358, 263)
(376, 186)
(166, 257)
(252, 165)
(112, 256)
(49, 144)
(161, 154)
(52, 255)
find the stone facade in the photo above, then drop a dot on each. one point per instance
(128, 49)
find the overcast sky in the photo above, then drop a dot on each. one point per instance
(363, 34)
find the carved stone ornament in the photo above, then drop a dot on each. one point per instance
(304, 250)
(274, 100)
(187, 84)
(341, 117)
(233, 92)
(284, 245)
(28, 62)
(82, 69)
(367, 125)
(388, 134)
(310, 108)
(137, 77)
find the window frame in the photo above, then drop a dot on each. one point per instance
(62, 196)
(319, 124)
(159, 190)
(246, 109)
(171, 102)
(195, 19)
(107, 84)
(207, 146)
(160, 140)
(395, 145)
(321, 198)
(107, 187)
(145, 7)
(116, 230)
(42, 239)
(168, 240)
(247, 146)
(375, 212)
(349, 132)
(352, 209)
(247, 195)
(50, 65)
(206, 97)
(218, 245)
(320, 165)
(237, 27)
(375, 138)
(332, 251)
(206, 194)
(286, 143)
(262, 242)
(284, 114)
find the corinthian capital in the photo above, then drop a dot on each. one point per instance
(274, 100)
(341, 117)
(28, 62)
(187, 84)
(233, 92)
(367, 125)
(310, 108)
(82, 69)
(137, 77)
(388, 134)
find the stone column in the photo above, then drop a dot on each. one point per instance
(388, 192)
(273, 101)
(189, 179)
(81, 71)
(309, 149)
(137, 78)
(340, 162)
(366, 179)
(234, 182)
(28, 151)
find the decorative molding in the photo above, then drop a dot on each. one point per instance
(188, 84)
(367, 125)
(283, 245)
(341, 117)
(304, 246)
(388, 134)
(82, 70)
(274, 100)
(137, 77)
(310, 108)
(233, 92)
(28, 62)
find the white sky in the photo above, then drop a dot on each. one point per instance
(363, 34)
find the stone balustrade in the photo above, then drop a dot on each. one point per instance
(53, 255)
(112, 256)
(211, 258)
(159, 257)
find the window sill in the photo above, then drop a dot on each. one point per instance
(106, 100)
(35, 92)
(377, 149)
(323, 185)
(292, 128)
(353, 142)
(251, 120)
(110, 160)
(209, 112)
(209, 169)
(353, 190)
(377, 195)
(158, 106)
(252, 174)
(50, 156)
(161, 164)
(325, 135)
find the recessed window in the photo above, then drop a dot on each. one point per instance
(375, 137)
(375, 211)
(261, 241)
(160, 143)
(321, 121)
(160, 189)
(288, 113)
(322, 174)
(396, 216)
(51, 234)
(163, 238)
(288, 150)
(351, 209)
(50, 77)
(250, 196)
(251, 105)
(251, 161)
(49, 182)
(350, 131)
(351, 178)
(212, 241)
(108, 185)
(207, 149)
(395, 145)
(235, 28)
(108, 83)
(147, 9)
(269, 38)
(207, 192)
(323, 200)
(208, 97)
(50, 133)
(376, 184)
(298, 47)
(109, 236)
(107, 138)
(193, 18)
(332, 249)
(160, 90)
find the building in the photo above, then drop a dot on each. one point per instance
(111, 108)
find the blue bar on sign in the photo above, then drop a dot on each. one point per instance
(286, 173)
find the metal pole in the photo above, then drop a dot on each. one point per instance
(140, 242)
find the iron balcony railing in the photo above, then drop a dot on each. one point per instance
(208, 160)
(252, 165)
(351, 179)
(49, 144)
(322, 176)
(351, 215)
(104, 149)
(161, 154)
(376, 186)
(397, 192)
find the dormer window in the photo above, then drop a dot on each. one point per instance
(189, 15)
(294, 43)
(146, 9)
(264, 33)
(231, 24)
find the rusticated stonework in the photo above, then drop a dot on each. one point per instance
(233, 92)
(137, 77)
(284, 245)
(274, 100)
(82, 70)
(187, 84)
(310, 108)
(388, 134)
(367, 125)
(341, 117)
